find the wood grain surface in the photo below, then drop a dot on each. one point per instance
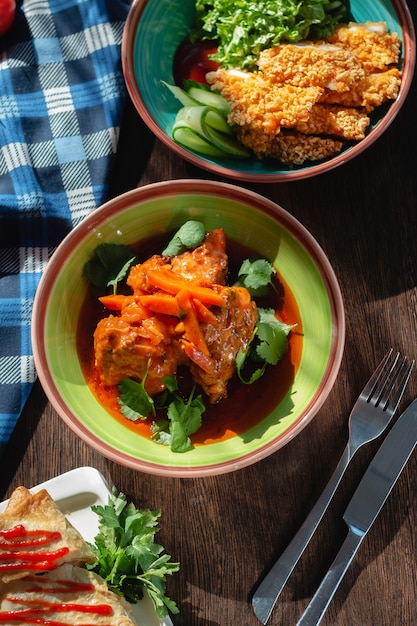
(226, 531)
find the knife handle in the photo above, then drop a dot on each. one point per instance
(314, 612)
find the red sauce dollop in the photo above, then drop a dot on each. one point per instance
(192, 62)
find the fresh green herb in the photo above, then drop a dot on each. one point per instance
(135, 402)
(189, 236)
(256, 275)
(108, 265)
(128, 558)
(184, 418)
(244, 28)
(268, 344)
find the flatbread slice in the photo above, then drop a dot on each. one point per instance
(68, 595)
(36, 536)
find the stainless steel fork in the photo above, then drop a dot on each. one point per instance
(370, 416)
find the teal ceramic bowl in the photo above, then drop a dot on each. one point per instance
(247, 218)
(155, 28)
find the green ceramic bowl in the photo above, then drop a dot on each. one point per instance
(158, 208)
(155, 28)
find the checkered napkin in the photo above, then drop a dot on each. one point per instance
(61, 99)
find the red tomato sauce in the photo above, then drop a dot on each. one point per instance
(192, 61)
(14, 558)
(245, 406)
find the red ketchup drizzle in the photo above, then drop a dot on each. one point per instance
(13, 558)
(192, 61)
(36, 611)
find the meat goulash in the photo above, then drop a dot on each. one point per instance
(41, 578)
(308, 99)
(180, 313)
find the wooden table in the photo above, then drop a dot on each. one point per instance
(227, 531)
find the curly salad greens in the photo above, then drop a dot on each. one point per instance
(128, 558)
(243, 28)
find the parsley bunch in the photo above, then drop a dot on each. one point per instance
(128, 558)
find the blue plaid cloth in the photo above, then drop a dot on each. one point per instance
(61, 101)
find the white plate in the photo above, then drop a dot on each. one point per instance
(75, 492)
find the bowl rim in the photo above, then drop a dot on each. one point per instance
(175, 187)
(409, 60)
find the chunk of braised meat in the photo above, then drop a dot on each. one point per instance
(126, 349)
(206, 265)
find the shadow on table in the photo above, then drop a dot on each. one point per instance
(21, 436)
(134, 148)
(186, 611)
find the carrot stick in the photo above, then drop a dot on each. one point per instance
(187, 315)
(203, 313)
(194, 354)
(160, 303)
(116, 302)
(168, 281)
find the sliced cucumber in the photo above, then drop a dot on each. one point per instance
(195, 120)
(201, 124)
(209, 98)
(218, 121)
(181, 95)
(191, 140)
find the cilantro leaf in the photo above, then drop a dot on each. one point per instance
(135, 403)
(108, 265)
(268, 344)
(127, 556)
(189, 236)
(272, 335)
(184, 419)
(256, 276)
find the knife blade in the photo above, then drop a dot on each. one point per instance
(364, 507)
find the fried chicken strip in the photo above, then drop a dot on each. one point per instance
(312, 65)
(372, 45)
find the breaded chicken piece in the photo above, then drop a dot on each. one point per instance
(291, 148)
(312, 65)
(375, 89)
(259, 104)
(372, 45)
(335, 120)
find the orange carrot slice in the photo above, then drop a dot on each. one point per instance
(160, 303)
(194, 354)
(166, 280)
(116, 302)
(188, 316)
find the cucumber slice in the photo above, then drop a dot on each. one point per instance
(224, 142)
(193, 128)
(209, 98)
(217, 121)
(181, 95)
(191, 140)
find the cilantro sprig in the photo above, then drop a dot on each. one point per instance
(109, 265)
(257, 275)
(184, 417)
(268, 344)
(128, 558)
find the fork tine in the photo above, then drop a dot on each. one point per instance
(392, 405)
(370, 386)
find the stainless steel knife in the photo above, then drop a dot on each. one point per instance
(366, 503)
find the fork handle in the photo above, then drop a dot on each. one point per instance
(315, 610)
(270, 588)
